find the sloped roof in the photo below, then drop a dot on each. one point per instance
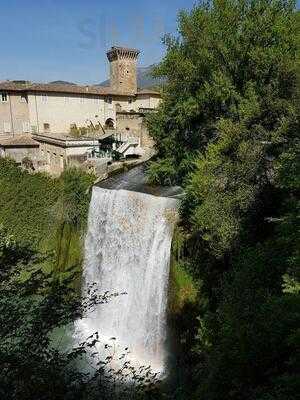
(67, 88)
(65, 140)
(148, 91)
(59, 88)
(18, 141)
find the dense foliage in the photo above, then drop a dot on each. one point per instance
(30, 309)
(44, 213)
(228, 131)
(232, 68)
(36, 319)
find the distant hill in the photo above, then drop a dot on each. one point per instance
(61, 83)
(144, 78)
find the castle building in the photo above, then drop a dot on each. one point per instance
(37, 119)
(123, 69)
(34, 108)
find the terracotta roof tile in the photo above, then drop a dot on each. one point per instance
(67, 88)
(148, 91)
(59, 88)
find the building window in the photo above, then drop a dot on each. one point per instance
(24, 98)
(4, 97)
(109, 124)
(26, 127)
(46, 127)
(44, 98)
(7, 127)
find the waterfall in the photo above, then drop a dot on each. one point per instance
(127, 249)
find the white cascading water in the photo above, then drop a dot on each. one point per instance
(127, 249)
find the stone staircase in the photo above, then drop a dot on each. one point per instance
(129, 147)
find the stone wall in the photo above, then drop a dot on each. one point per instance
(18, 154)
(56, 112)
(133, 125)
(14, 114)
(123, 69)
(56, 158)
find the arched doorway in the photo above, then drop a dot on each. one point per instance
(109, 124)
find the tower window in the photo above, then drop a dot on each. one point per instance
(26, 127)
(7, 127)
(46, 127)
(24, 98)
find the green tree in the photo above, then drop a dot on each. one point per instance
(232, 66)
(70, 217)
(47, 214)
(36, 360)
(228, 131)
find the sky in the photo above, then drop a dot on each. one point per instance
(47, 40)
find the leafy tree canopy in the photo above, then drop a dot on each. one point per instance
(231, 73)
(228, 131)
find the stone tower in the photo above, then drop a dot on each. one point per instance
(123, 70)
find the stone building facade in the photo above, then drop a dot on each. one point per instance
(49, 111)
(14, 113)
(20, 147)
(123, 69)
(53, 109)
(27, 107)
(132, 124)
(57, 152)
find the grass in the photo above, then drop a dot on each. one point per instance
(182, 288)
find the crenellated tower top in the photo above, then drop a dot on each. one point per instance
(123, 69)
